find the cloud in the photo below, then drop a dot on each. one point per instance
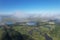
(20, 14)
(42, 13)
(25, 14)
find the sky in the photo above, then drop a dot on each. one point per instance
(29, 6)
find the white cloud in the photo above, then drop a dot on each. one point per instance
(20, 14)
(43, 13)
(23, 14)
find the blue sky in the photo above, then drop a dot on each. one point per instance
(29, 6)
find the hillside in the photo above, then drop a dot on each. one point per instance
(37, 33)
